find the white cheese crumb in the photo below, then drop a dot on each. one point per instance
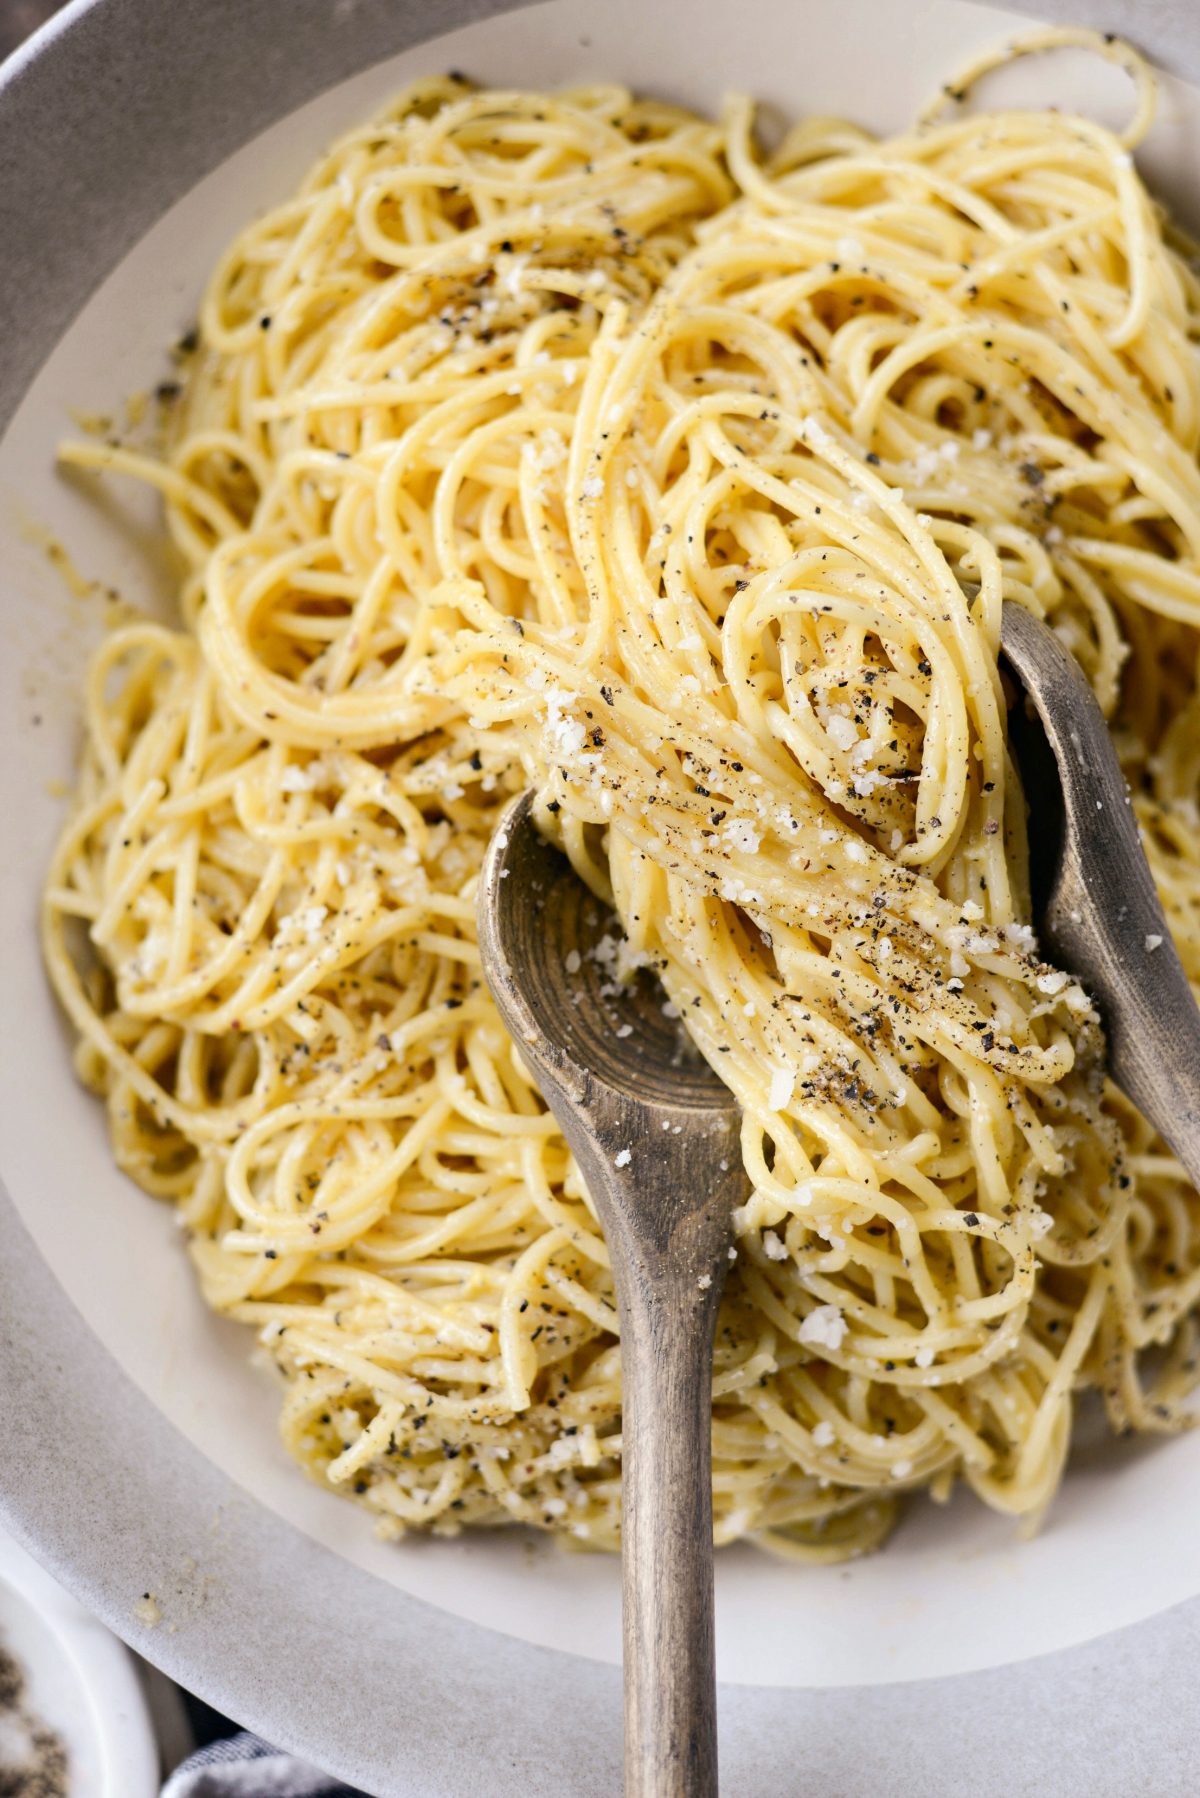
(822, 1434)
(924, 1357)
(623, 1158)
(704, 1282)
(1153, 942)
(1040, 1225)
(740, 833)
(551, 450)
(592, 488)
(901, 1470)
(865, 784)
(783, 1083)
(311, 919)
(842, 731)
(856, 851)
(1051, 982)
(567, 735)
(824, 1327)
(624, 1030)
(572, 961)
(773, 1247)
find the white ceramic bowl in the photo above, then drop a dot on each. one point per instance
(138, 1447)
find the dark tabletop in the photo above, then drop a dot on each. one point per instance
(19, 17)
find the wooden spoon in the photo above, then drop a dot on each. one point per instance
(656, 1138)
(1095, 906)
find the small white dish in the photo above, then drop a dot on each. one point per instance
(79, 1680)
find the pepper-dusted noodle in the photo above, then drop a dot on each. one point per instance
(516, 453)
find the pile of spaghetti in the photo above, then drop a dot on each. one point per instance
(571, 442)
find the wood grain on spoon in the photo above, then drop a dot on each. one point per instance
(656, 1138)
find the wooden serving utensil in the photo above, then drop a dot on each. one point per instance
(1096, 910)
(656, 1138)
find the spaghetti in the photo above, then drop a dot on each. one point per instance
(567, 442)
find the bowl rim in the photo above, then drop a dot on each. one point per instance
(108, 1495)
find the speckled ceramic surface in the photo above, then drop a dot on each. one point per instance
(137, 1446)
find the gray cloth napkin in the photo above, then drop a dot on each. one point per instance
(244, 1767)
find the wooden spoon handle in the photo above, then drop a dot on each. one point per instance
(665, 1181)
(667, 1563)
